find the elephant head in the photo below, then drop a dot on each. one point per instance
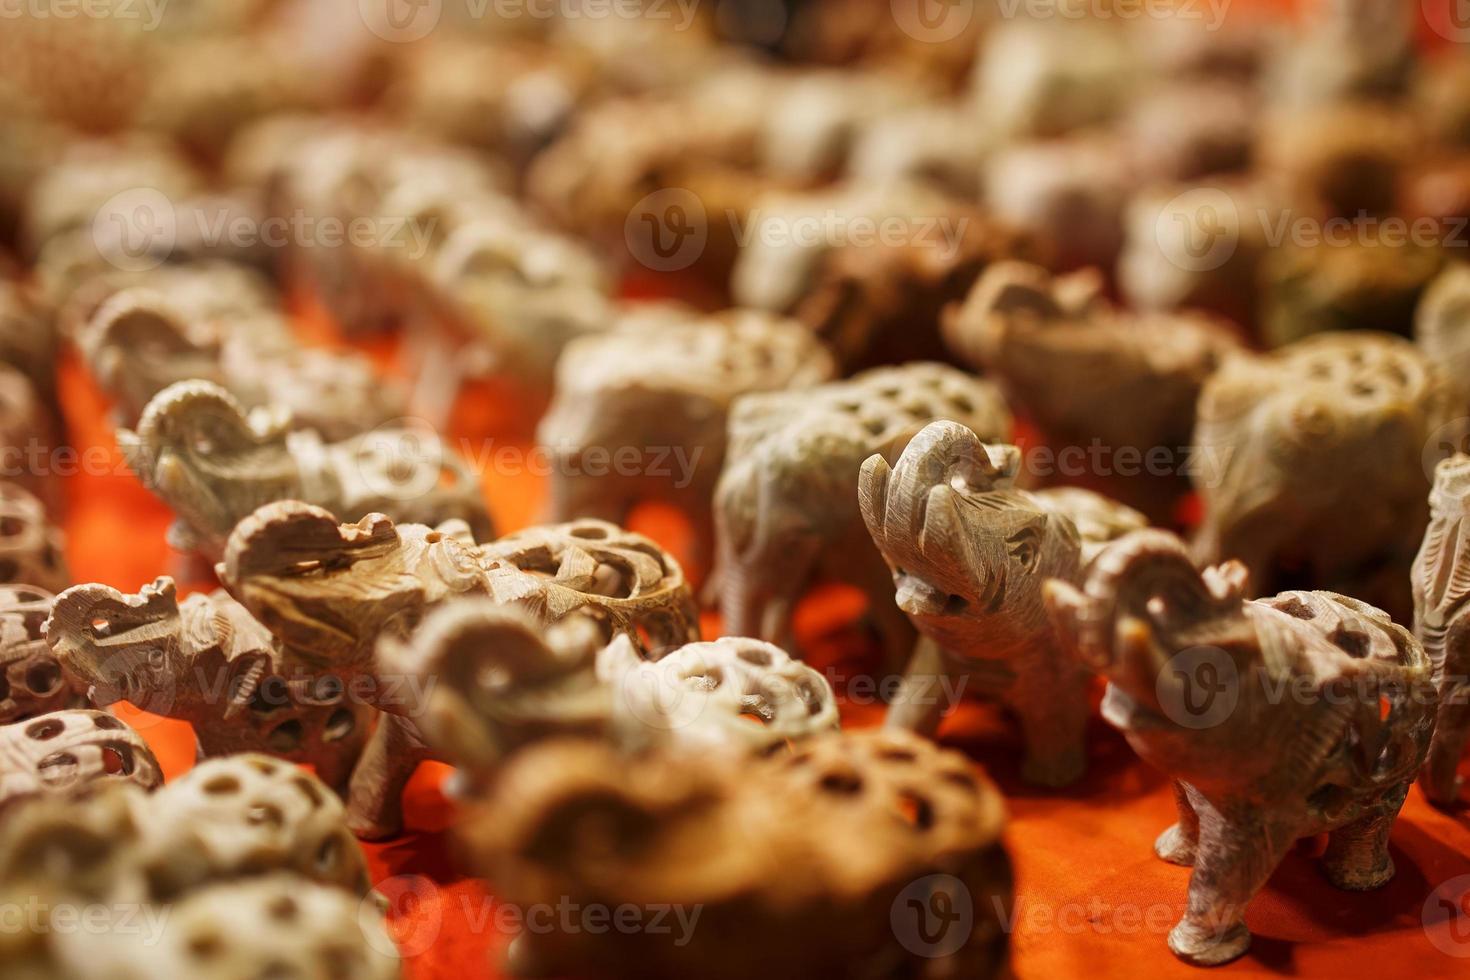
(196, 447)
(122, 647)
(330, 590)
(137, 344)
(969, 553)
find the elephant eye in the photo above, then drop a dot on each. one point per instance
(1025, 548)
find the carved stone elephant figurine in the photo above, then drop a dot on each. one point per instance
(214, 463)
(1277, 719)
(1442, 623)
(657, 390)
(335, 594)
(969, 555)
(786, 506)
(1312, 462)
(208, 662)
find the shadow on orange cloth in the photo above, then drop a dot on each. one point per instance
(1091, 898)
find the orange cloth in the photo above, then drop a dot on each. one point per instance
(1091, 899)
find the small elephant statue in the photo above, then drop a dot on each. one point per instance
(208, 662)
(1277, 719)
(1441, 587)
(786, 506)
(214, 463)
(1088, 373)
(970, 554)
(1312, 463)
(335, 594)
(658, 388)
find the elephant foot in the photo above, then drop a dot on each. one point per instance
(1359, 878)
(1176, 847)
(1054, 770)
(1201, 946)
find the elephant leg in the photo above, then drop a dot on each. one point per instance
(920, 704)
(1357, 857)
(1440, 777)
(1052, 706)
(1178, 844)
(1234, 859)
(375, 795)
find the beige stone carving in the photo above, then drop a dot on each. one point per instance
(31, 681)
(208, 662)
(53, 752)
(969, 555)
(1195, 673)
(660, 385)
(786, 506)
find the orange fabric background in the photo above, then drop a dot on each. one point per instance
(1092, 900)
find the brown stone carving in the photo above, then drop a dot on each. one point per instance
(660, 385)
(206, 661)
(1442, 328)
(31, 680)
(1312, 462)
(31, 547)
(786, 507)
(213, 463)
(969, 555)
(53, 752)
(332, 593)
(1331, 285)
(764, 851)
(1441, 586)
(1082, 369)
(1195, 673)
(138, 342)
